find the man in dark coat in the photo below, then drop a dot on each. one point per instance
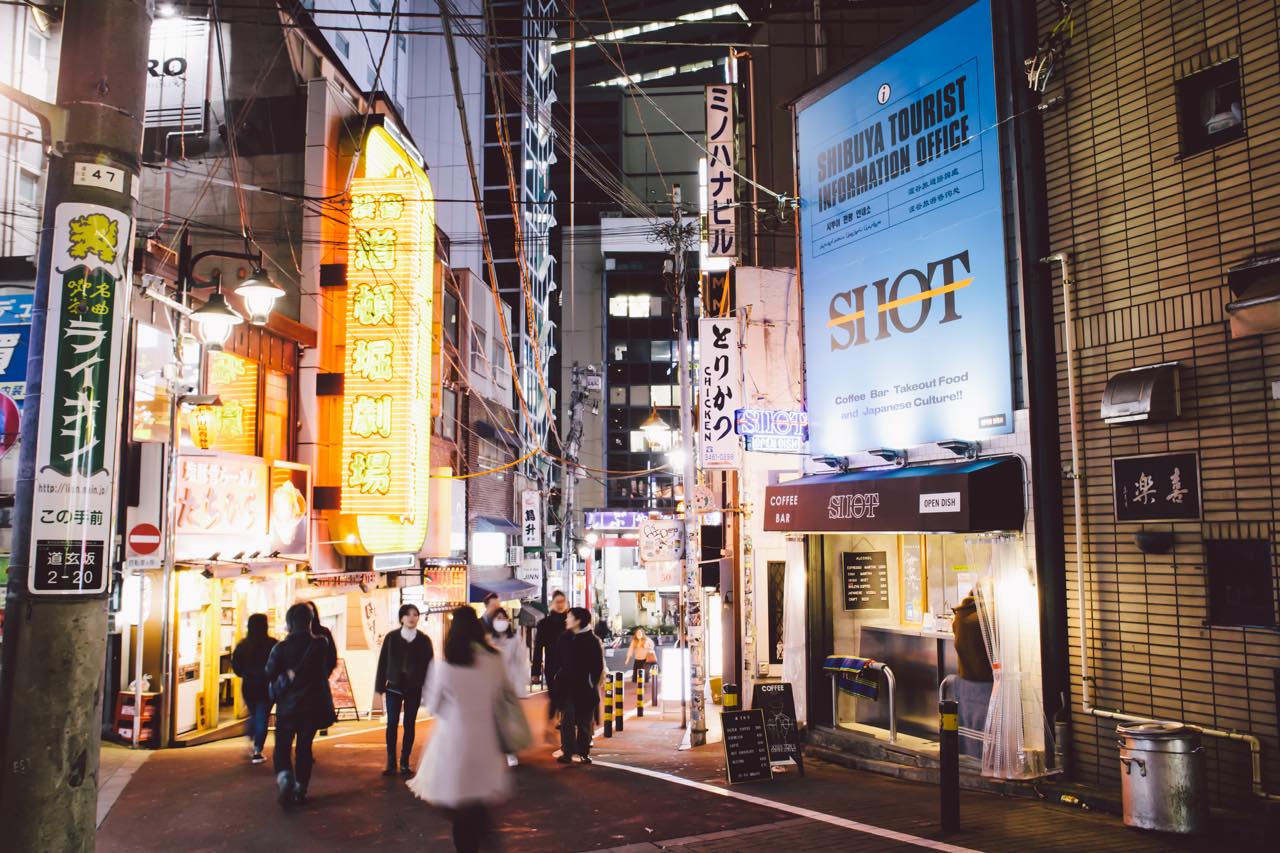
(300, 685)
(546, 637)
(402, 670)
(577, 686)
(249, 661)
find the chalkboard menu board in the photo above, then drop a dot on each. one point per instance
(746, 746)
(866, 580)
(778, 703)
(344, 700)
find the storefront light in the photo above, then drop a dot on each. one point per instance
(204, 423)
(259, 293)
(215, 321)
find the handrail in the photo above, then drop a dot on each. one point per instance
(892, 685)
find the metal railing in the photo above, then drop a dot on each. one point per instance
(890, 682)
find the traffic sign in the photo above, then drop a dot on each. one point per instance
(144, 538)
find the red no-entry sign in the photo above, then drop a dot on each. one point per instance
(144, 538)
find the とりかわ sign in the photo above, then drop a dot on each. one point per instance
(73, 517)
(906, 291)
(720, 392)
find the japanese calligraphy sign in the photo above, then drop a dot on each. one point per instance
(222, 506)
(720, 386)
(387, 387)
(1157, 487)
(903, 246)
(721, 213)
(531, 518)
(72, 515)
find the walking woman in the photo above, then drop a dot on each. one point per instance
(249, 661)
(642, 651)
(300, 687)
(463, 770)
(515, 659)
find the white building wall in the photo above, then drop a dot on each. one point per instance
(29, 55)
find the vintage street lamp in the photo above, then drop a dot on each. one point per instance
(259, 293)
(656, 430)
(215, 320)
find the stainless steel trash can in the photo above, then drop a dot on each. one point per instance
(1162, 777)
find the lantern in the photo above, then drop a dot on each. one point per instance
(204, 423)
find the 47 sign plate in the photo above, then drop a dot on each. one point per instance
(72, 519)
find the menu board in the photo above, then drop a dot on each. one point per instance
(866, 580)
(746, 746)
(778, 704)
(344, 700)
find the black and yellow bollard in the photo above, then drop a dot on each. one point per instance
(608, 705)
(949, 764)
(730, 700)
(620, 694)
(640, 679)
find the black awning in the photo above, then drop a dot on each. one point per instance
(965, 497)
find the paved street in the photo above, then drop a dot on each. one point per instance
(643, 794)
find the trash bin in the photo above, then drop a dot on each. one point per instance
(1162, 777)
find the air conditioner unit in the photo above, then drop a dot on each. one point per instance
(515, 554)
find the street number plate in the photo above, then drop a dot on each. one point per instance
(102, 177)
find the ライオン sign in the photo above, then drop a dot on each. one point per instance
(386, 428)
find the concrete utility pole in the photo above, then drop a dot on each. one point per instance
(681, 238)
(586, 384)
(55, 632)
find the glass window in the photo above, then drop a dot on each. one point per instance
(447, 423)
(638, 306)
(617, 306)
(235, 380)
(618, 395)
(343, 46)
(661, 395)
(479, 351)
(660, 350)
(275, 417)
(655, 306)
(619, 352)
(28, 187)
(451, 319)
(640, 395)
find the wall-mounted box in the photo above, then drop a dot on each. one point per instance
(1143, 395)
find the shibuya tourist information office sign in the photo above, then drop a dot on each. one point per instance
(905, 287)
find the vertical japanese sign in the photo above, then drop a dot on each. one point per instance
(721, 212)
(386, 439)
(531, 518)
(720, 389)
(72, 512)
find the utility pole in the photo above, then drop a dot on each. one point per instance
(586, 384)
(55, 633)
(681, 238)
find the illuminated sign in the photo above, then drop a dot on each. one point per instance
(773, 430)
(222, 506)
(386, 437)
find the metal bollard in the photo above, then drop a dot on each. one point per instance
(949, 764)
(608, 705)
(620, 691)
(640, 679)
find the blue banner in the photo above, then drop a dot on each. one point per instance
(15, 335)
(907, 337)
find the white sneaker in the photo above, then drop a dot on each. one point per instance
(512, 761)
(557, 753)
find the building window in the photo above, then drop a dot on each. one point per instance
(660, 351)
(479, 351)
(447, 425)
(634, 305)
(275, 417)
(28, 187)
(344, 47)
(490, 455)
(451, 319)
(640, 396)
(371, 75)
(662, 395)
(620, 352)
(1210, 108)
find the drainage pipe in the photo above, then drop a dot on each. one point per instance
(1063, 259)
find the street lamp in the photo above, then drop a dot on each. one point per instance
(259, 293)
(216, 319)
(656, 430)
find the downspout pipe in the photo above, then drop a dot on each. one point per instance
(1063, 259)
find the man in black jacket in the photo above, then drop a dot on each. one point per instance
(549, 631)
(577, 687)
(402, 670)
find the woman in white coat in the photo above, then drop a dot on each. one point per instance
(515, 658)
(463, 769)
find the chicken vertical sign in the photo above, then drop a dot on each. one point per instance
(721, 210)
(720, 390)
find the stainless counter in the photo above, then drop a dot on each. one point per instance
(919, 660)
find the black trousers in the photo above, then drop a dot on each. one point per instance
(284, 759)
(576, 724)
(471, 827)
(396, 704)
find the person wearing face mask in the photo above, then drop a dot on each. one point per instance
(515, 657)
(402, 670)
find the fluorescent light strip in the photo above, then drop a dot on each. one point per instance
(624, 33)
(669, 71)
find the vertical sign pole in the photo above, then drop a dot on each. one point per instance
(63, 534)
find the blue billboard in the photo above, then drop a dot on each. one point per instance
(906, 304)
(15, 336)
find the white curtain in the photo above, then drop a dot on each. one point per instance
(1008, 606)
(794, 650)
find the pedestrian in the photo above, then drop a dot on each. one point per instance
(249, 661)
(577, 688)
(463, 770)
(402, 669)
(642, 651)
(491, 604)
(300, 688)
(546, 637)
(331, 654)
(515, 659)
